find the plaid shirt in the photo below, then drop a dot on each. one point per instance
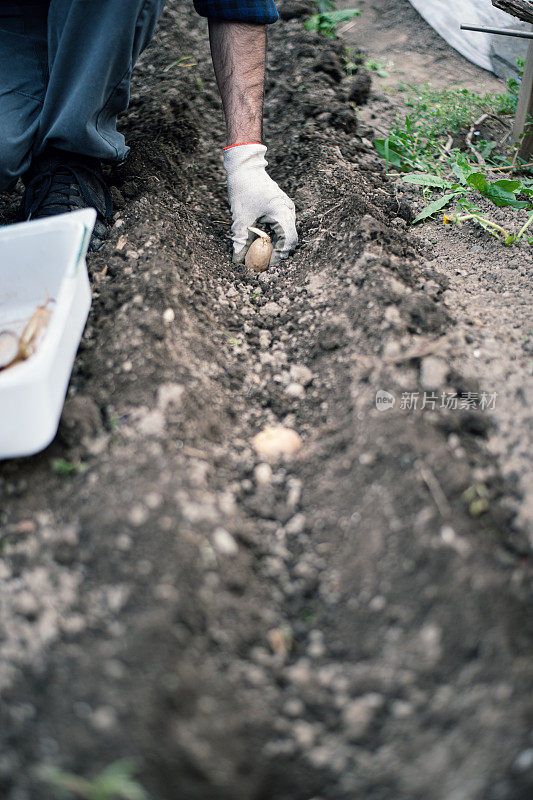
(262, 12)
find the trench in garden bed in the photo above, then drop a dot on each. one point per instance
(344, 280)
(367, 504)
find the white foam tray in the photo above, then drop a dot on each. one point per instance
(36, 258)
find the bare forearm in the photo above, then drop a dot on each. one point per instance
(238, 51)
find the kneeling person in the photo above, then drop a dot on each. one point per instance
(65, 72)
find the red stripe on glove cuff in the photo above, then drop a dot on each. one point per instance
(239, 144)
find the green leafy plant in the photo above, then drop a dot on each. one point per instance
(68, 468)
(113, 421)
(446, 111)
(115, 782)
(507, 102)
(476, 498)
(439, 149)
(308, 616)
(379, 67)
(502, 193)
(439, 123)
(328, 17)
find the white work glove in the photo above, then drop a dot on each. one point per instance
(256, 199)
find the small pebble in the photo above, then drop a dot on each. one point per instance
(103, 718)
(153, 500)
(401, 709)
(294, 707)
(433, 373)
(359, 714)
(271, 309)
(275, 442)
(138, 515)
(263, 474)
(305, 734)
(295, 390)
(169, 394)
(524, 762)
(224, 542)
(27, 605)
(295, 525)
(377, 603)
(301, 374)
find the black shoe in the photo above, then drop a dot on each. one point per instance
(58, 182)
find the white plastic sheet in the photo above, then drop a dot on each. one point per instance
(446, 16)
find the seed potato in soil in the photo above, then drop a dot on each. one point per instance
(343, 621)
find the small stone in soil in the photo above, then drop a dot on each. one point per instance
(263, 474)
(301, 374)
(275, 442)
(433, 373)
(359, 715)
(271, 309)
(295, 390)
(224, 542)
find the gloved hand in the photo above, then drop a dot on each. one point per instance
(256, 199)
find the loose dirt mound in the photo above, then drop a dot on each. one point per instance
(347, 624)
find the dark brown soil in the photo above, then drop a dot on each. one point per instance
(352, 623)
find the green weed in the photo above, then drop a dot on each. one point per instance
(308, 616)
(476, 498)
(351, 60)
(470, 182)
(328, 17)
(506, 103)
(113, 421)
(447, 111)
(68, 468)
(438, 148)
(379, 67)
(115, 782)
(437, 126)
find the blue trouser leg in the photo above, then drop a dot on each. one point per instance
(92, 48)
(64, 87)
(23, 78)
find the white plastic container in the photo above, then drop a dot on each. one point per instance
(40, 258)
